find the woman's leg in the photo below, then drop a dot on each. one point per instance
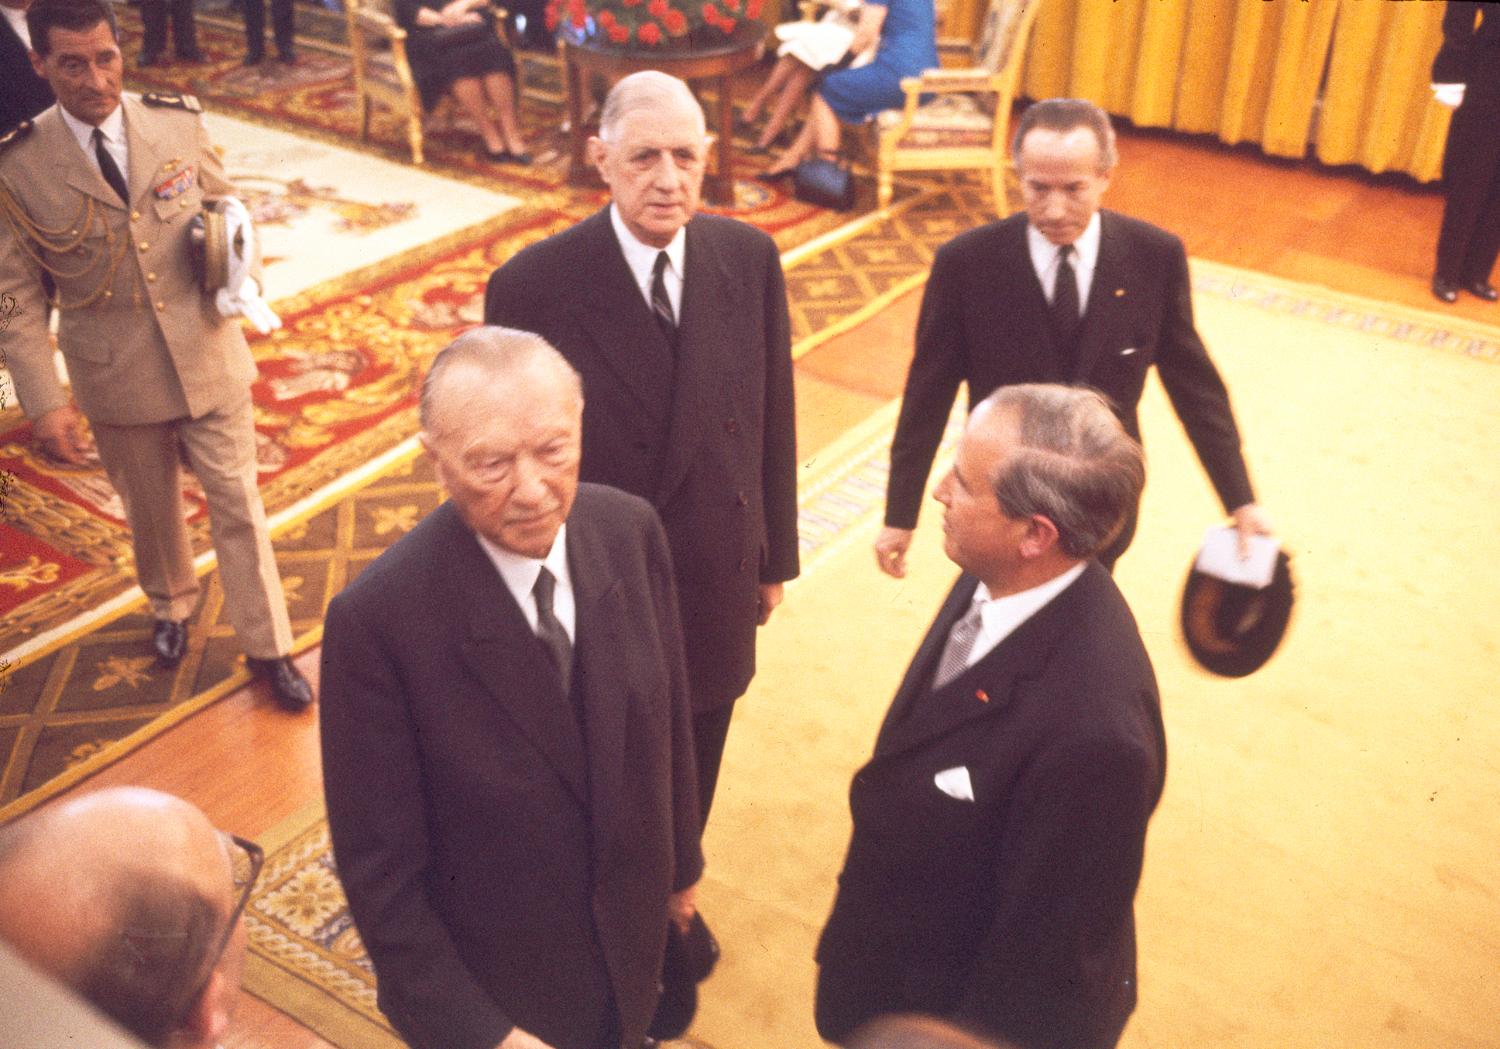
(797, 83)
(779, 73)
(500, 89)
(470, 95)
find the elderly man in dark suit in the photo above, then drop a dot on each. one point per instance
(678, 325)
(999, 827)
(506, 739)
(1063, 293)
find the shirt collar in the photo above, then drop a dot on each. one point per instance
(113, 127)
(520, 572)
(1044, 252)
(641, 258)
(1005, 614)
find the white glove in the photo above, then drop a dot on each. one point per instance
(248, 304)
(1450, 95)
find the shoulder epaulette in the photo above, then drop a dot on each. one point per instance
(15, 134)
(172, 100)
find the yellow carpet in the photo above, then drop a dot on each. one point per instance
(1322, 870)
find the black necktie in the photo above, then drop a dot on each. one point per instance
(109, 169)
(551, 632)
(1065, 297)
(661, 302)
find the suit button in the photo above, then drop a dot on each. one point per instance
(144, 246)
(744, 564)
(135, 216)
(742, 499)
(151, 276)
(160, 306)
(730, 426)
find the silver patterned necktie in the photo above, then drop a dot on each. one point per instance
(955, 659)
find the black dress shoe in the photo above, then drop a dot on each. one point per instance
(254, 58)
(1445, 290)
(169, 639)
(287, 58)
(288, 686)
(1482, 289)
(148, 59)
(191, 56)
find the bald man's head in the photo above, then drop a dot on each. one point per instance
(124, 895)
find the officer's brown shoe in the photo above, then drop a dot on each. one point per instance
(290, 689)
(169, 640)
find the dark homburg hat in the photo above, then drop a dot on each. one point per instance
(1232, 629)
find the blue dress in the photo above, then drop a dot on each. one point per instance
(908, 45)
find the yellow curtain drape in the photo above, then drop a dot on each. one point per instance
(1346, 78)
(1378, 110)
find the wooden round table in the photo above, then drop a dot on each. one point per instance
(715, 64)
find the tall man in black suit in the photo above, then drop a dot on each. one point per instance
(678, 325)
(1063, 293)
(1469, 240)
(507, 748)
(26, 93)
(999, 827)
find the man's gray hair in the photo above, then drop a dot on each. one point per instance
(501, 354)
(1063, 115)
(644, 90)
(1072, 463)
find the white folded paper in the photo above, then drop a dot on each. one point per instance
(955, 783)
(1220, 558)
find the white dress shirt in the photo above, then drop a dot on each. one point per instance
(113, 127)
(641, 258)
(520, 572)
(1044, 257)
(1000, 616)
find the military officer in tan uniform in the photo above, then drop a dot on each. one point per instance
(98, 192)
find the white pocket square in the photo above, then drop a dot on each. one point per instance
(1127, 351)
(955, 783)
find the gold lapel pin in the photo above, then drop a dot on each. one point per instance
(981, 695)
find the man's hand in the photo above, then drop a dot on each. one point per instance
(519, 1039)
(681, 906)
(890, 550)
(770, 596)
(60, 432)
(1249, 520)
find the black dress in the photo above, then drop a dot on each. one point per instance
(437, 60)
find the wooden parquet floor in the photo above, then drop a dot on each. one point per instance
(250, 766)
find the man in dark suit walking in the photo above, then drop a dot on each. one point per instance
(1063, 293)
(678, 325)
(507, 751)
(999, 827)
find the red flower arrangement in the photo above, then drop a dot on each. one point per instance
(650, 23)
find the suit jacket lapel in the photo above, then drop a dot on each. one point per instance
(82, 175)
(602, 607)
(706, 335)
(501, 650)
(1107, 296)
(1026, 301)
(147, 155)
(924, 663)
(987, 687)
(616, 317)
